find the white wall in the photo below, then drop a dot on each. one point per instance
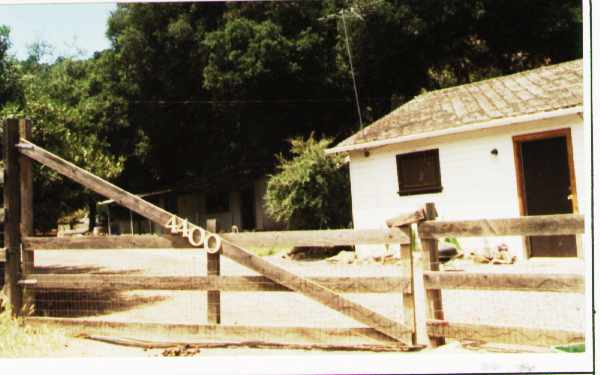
(263, 220)
(475, 183)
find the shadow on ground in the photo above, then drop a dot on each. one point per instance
(72, 303)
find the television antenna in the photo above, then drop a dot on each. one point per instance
(343, 13)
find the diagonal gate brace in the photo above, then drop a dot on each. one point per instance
(160, 216)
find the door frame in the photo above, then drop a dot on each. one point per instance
(517, 140)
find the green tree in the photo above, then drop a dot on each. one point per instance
(68, 119)
(310, 190)
(9, 73)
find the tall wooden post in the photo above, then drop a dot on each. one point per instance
(430, 261)
(12, 209)
(408, 297)
(213, 268)
(26, 212)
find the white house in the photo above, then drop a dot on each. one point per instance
(498, 148)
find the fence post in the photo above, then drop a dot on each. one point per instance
(27, 212)
(12, 219)
(430, 262)
(213, 268)
(408, 297)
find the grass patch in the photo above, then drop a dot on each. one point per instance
(267, 251)
(575, 348)
(18, 340)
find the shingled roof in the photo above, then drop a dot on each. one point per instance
(544, 89)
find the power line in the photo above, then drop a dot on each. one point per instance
(257, 101)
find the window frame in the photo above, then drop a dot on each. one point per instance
(435, 187)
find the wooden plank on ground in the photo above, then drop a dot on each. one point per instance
(98, 282)
(215, 332)
(406, 219)
(503, 334)
(289, 279)
(543, 225)
(258, 239)
(179, 346)
(539, 282)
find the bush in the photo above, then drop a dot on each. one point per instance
(310, 190)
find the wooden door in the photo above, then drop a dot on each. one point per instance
(547, 187)
(248, 209)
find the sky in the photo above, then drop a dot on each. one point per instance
(68, 28)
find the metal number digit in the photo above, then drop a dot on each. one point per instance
(192, 240)
(216, 243)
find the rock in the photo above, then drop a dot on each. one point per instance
(446, 252)
(345, 257)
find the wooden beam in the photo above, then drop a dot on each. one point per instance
(408, 297)
(543, 225)
(12, 208)
(2, 215)
(406, 219)
(503, 334)
(327, 237)
(99, 282)
(250, 239)
(2, 256)
(26, 170)
(430, 262)
(289, 279)
(141, 241)
(540, 282)
(95, 183)
(213, 268)
(215, 332)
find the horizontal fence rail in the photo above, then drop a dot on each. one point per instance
(202, 283)
(503, 334)
(219, 331)
(259, 239)
(543, 225)
(542, 282)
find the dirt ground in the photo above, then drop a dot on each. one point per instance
(543, 310)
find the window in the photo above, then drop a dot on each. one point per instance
(217, 202)
(419, 172)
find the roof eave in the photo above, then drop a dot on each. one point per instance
(459, 129)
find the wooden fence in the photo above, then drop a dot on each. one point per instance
(22, 279)
(435, 281)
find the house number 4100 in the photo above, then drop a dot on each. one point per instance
(196, 236)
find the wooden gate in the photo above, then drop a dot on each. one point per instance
(18, 153)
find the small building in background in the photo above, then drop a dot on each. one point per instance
(499, 148)
(235, 199)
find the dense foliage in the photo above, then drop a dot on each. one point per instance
(310, 190)
(192, 89)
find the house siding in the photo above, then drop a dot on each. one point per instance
(476, 184)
